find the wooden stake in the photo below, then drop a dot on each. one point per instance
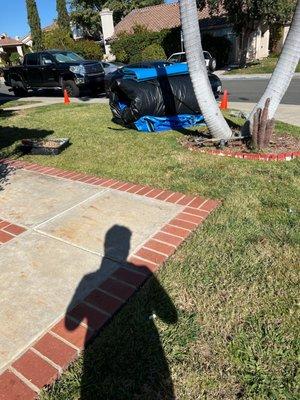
(269, 130)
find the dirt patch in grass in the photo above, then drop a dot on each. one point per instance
(279, 143)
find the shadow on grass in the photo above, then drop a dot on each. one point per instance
(127, 360)
(12, 135)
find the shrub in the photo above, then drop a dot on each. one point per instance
(89, 49)
(60, 39)
(14, 58)
(129, 47)
(153, 52)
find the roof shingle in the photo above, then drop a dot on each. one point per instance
(7, 41)
(157, 18)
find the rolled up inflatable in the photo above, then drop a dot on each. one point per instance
(144, 74)
(161, 97)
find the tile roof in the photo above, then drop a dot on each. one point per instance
(156, 18)
(7, 41)
(46, 29)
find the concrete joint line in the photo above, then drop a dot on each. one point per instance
(66, 242)
(64, 341)
(24, 380)
(110, 294)
(125, 283)
(80, 323)
(50, 362)
(71, 208)
(156, 251)
(96, 308)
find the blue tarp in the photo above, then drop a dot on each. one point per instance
(149, 123)
(144, 74)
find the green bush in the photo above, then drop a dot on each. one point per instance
(14, 58)
(129, 47)
(61, 39)
(89, 49)
(153, 52)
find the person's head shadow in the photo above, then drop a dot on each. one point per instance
(126, 359)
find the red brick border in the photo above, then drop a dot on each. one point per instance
(287, 156)
(8, 231)
(45, 360)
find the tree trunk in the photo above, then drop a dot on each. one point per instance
(214, 119)
(284, 70)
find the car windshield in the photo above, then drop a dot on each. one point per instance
(67, 56)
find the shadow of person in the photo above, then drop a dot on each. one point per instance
(127, 359)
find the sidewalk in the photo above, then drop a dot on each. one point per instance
(73, 249)
(286, 112)
(47, 101)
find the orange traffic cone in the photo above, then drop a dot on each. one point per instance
(224, 101)
(66, 97)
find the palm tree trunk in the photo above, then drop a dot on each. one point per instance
(214, 119)
(284, 70)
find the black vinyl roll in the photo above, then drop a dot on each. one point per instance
(164, 96)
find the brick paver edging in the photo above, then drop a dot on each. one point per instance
(45, 360)
(287, 156)
(8, 231)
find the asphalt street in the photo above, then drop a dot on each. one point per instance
(250, 90)
(241, 90)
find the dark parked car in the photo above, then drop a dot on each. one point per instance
(55, 69)
(215, 82)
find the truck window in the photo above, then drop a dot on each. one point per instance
(32, 59)
(67, 56)
(46, 59)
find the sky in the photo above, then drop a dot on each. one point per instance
(13, 16)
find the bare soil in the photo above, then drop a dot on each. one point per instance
(279, 143)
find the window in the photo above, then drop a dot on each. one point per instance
(67, 56)
(32, 59)
(46, 59)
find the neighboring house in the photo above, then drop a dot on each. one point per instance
(76, 32)
(27, 40)
(167, 16)
(9, 45)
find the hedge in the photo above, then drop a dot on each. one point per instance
(59, 39)
(130, 47)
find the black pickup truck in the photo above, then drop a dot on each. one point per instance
(55, 69)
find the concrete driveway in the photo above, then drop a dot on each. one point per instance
(62, 236)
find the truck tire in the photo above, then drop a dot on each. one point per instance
(71, 88)
(212, 64)
(20, 92)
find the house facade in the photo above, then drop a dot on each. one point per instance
(167, 16)
(8, 46)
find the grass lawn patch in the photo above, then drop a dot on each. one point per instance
(234, 284)
(265, 66)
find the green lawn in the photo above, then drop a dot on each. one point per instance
(234, 283)
(15, 103)
(265, 66)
